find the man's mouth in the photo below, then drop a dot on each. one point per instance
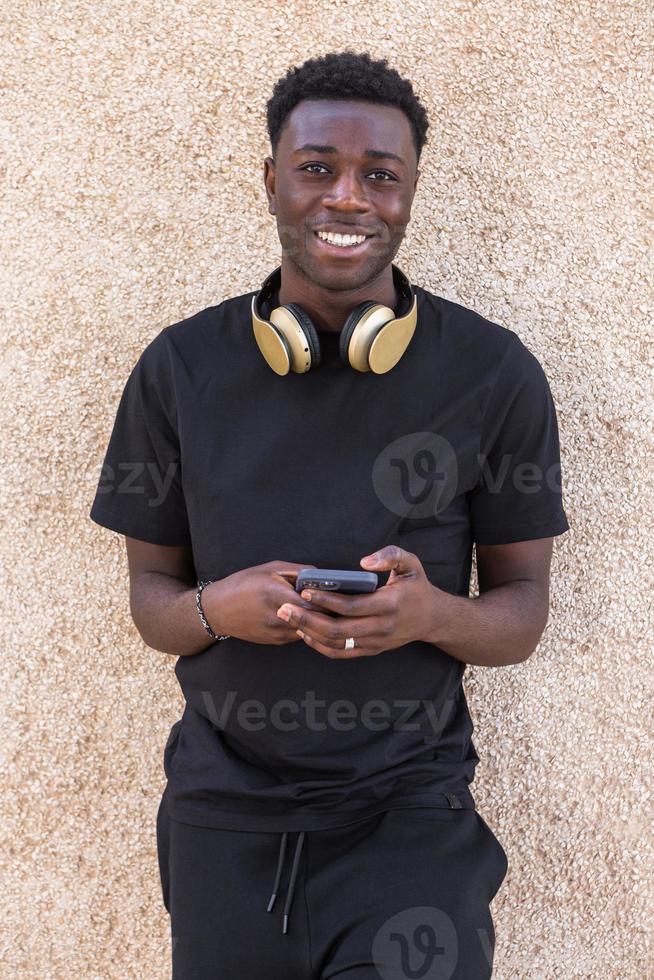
(346, 244)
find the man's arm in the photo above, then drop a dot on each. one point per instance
(162, 587)
(504, 624)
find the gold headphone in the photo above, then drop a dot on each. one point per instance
(372, 338)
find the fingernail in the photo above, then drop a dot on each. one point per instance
(284, 613)
(307, 596)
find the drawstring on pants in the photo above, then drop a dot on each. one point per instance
(291, 884)
(452, 799)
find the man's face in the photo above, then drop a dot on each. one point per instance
(345, 189)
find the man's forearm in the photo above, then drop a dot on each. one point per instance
(499, 627)
(164, 612)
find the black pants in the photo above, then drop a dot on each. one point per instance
(404, 894)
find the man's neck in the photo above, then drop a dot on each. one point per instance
(328, 308)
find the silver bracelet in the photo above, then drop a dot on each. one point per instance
(198, 605)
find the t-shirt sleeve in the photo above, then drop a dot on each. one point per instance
(518, 495)
(139, 492)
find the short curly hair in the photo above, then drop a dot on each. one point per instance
(345, 75)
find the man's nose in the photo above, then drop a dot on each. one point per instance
(348, 193)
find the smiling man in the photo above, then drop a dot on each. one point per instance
(338, 417)
(342, 169)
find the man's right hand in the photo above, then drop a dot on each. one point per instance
(244, 605)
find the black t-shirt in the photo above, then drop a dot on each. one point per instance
(213, 450)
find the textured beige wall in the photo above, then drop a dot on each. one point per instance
(132, 147)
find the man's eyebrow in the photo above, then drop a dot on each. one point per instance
(377, 154)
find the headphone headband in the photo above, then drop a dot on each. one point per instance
(272, 283)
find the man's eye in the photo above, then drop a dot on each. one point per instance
(321, 167)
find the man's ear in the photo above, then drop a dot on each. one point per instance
(269, 183)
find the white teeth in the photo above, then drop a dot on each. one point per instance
(342, 240)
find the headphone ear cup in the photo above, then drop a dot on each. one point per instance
(310, 332)
(349, 327)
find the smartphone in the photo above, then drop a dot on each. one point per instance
(336, 580)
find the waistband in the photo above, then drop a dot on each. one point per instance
(453, 801)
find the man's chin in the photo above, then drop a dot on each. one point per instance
(332, 276)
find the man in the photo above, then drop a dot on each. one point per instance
(335, 723)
